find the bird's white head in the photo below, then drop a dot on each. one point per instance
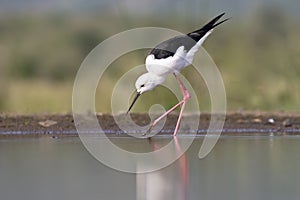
(146, 82)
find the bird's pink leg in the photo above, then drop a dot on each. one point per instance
(166, 113)
(186, 97)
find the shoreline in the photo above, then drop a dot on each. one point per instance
(236, 123)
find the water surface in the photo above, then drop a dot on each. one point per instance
(237, 168)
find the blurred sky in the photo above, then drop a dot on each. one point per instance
(149, 7)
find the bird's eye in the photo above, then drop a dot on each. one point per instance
(143, 85)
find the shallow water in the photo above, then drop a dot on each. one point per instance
(237, 168)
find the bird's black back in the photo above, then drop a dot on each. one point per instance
(169, 47)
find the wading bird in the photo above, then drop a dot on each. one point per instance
(171, 56)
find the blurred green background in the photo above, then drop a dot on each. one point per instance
(42, 45)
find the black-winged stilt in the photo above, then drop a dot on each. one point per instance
(171, 56)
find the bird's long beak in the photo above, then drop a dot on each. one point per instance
(134, 100)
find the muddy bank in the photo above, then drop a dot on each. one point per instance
(264, 123)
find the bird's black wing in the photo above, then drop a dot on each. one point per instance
(198, 34)
(169, 47)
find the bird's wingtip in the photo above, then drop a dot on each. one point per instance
(222, 14)
(213, 21)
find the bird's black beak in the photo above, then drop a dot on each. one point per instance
(134, 100)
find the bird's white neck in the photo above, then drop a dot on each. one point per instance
(159, 79)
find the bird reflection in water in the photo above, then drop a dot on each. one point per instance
(168, 183)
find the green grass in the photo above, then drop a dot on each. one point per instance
(38, 96)
(40, 55)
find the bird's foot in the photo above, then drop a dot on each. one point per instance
(148, 131)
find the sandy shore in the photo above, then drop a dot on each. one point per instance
(264, 123)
